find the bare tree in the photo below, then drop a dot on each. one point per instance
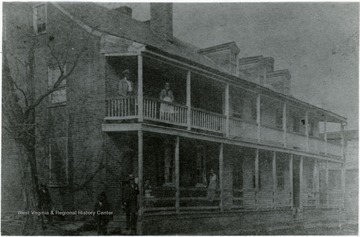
(20, 100)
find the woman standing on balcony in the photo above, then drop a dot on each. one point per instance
(166, 110)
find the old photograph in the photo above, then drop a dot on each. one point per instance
(174, 118)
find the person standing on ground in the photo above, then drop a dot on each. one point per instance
(130, 202)
(45, 203)
(102, 216)
(212, 185)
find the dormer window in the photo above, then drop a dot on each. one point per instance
(39, 16)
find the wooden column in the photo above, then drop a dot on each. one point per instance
(327, 183)
(274, 178)
(343, 165)
(291, 180)
(177, 175)
(221, 174)
(343, 190)
(140, 97)
(342, 142)
(301, 180)
(188, 100)
(316, 183)
(257, 178)
(325, 136)
(140, 179)
(257, 170)
(258, 117)
(227, 110)
(307, 129)
(285, 124)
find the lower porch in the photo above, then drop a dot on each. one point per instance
(172, 172)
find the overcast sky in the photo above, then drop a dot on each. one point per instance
(316, 42)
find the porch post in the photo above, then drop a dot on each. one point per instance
(258, 118)
(140, 179)
(316, 182)
(327, 183)
(256, 176)
(307, 129)
(221, 174)
(284, 124)
(301, 181)
(227, 109)
(140, 89)
(274, 178)
(325, 136)
(177, 175)
(343, 165)
(188, 99)
(291, 180)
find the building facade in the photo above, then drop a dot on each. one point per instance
(232, 115)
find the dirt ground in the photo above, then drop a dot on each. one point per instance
(13, 227)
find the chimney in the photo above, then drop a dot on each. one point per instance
(161, 22)
(125, 10)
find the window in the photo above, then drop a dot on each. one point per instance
(334, 179)
(58, 96)
(253, 109)
(279, 118)
(280, 168)
(237, 175)
(311, 129)
(309, 182)
(169, 164)
(200, 166)
(238, 105)
(58, 161)
(296, 124)
(39, 16)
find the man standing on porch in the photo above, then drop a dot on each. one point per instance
(131, 192)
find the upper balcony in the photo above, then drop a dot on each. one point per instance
(209, 105)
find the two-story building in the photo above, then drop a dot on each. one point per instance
(230, 114)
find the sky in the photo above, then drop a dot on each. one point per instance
(316, 42)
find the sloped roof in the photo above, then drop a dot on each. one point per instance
(112, 22)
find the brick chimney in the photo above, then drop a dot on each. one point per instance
(161, 22)
(125, 10)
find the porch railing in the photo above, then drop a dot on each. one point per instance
(296, 141)
(121, 108)
(334, 149)
(177, 114)
(162, 111)
(242, 128)
(206, 120)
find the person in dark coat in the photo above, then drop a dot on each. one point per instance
(45, 203)
(102, 213)
(130, 202)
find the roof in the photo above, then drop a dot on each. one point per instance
(112, 22)
(230, 45)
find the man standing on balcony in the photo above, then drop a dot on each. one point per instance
(127, 88)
